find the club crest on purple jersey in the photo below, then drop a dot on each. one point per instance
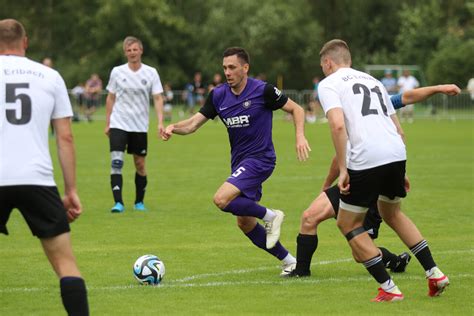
(247, 103)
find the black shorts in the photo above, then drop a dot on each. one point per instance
(367, 185)
(135, 143)
(41, 207)
(372, 218)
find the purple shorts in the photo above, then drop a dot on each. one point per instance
(249, 175)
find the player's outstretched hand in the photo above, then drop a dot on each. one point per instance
(166, 134)
(73, 206)
(449, 89)
(302, 148)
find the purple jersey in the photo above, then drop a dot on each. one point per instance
(248, 118)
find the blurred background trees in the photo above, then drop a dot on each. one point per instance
(283, 37)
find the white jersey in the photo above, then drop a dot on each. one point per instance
(132, 91)
(31, 94)
(373, 137)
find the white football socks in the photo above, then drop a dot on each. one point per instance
(269, 215)
(289, 259)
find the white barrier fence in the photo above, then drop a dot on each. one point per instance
(437, 107)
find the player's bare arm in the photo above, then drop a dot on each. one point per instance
(333, 173)
(185, 127)
(302, 146)
(158, 101)
(339, 138)
(66, 155)
(109, 104)
(421, 94)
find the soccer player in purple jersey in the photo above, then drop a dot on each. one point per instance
(245, 106)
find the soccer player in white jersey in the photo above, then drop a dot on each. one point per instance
(362, 118)
(32, 95)
(127, 112)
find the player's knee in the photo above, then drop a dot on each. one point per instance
(140, 166)
(309, 220)
(117, 162)
(220, 201)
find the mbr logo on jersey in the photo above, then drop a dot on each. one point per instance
(237, 121)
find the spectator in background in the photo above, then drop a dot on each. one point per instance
(216, 81)
(93, 94)
(48, 62)
(199, 89)
(168, 100)
(407, 82)
(78, 96)
(194, 93)
(389, 82)
(188, 97)
(470, 88)
(313, 105)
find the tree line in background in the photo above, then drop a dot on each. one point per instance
(283, 37)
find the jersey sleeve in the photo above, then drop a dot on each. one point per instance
(328, 97)
(112, 85)
(208, 109)
(274, 99)
(62, 103)
(397, 101)
(156, 87)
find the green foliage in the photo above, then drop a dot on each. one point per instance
(282, 37)
(270, 31)
(450, 61)
(419, 32)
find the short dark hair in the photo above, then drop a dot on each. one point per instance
(11, 31)
(239, 51)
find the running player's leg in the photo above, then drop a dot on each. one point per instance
(364, 191)
(258, 236)
(247, 178)
(73, 289)
(138, 146)
(118, 142)
(320, 210)
(229, 198)
(396, 263)
(411, 236)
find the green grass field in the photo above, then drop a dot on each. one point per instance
(211, 267)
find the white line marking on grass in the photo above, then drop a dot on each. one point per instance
(242, 271)
(324, 262)
(184, 282)
(172, 284)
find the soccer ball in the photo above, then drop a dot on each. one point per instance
(148, 269)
